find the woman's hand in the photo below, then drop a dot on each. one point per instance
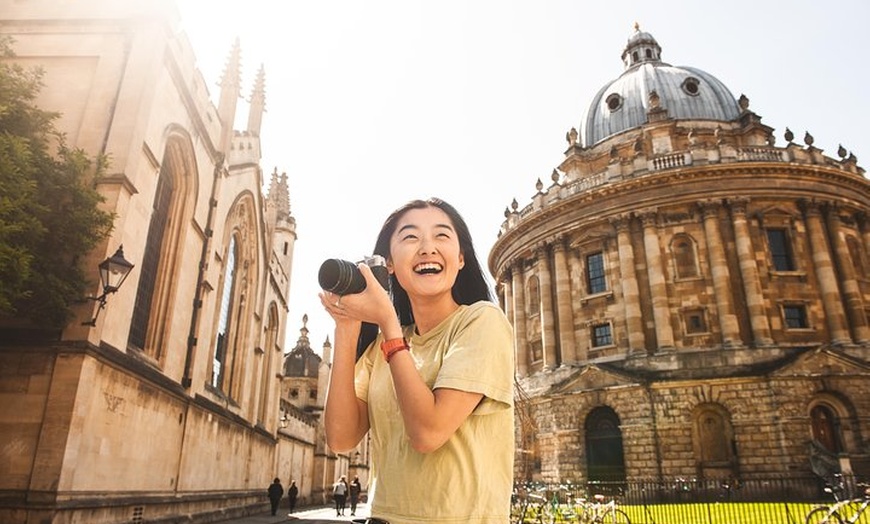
(372, 305)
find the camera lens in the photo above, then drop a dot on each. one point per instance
(340, 277)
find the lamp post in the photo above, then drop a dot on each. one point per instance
(113, 272)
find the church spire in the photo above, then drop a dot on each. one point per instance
(230, 92)
(258, 103)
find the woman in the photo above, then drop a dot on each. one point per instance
(435, 385)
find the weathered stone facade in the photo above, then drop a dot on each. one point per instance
(167, 407)
(688, 299)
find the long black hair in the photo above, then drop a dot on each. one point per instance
(470, 286)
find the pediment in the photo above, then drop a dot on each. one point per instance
(593, 377)
(822, 361)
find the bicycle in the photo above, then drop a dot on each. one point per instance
(834, 514)
(527, 507)
(600, 512)
(562, 510)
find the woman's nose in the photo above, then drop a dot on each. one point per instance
(427, 247)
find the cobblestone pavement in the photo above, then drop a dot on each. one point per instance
(314, 515)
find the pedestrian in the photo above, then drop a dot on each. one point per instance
(355, 488)
(276, 491)
(339, 494)
(433, 386)
(292, 493)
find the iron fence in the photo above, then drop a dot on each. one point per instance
(763, 500)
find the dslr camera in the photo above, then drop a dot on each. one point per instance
(344, 278)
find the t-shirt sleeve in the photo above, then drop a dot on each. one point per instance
(363, 371)
(480, 358)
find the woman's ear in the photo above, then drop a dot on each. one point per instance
(461, 261)
(390, 266)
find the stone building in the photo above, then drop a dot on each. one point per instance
(164, 405)
(303, 396)
(689, 299)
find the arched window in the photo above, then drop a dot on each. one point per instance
(713, 439)
(534, 296)
(685, 260)
(856, 254)
(605, 458)
(826, 428)
(151, 258)
(222, 359)
(173, 200)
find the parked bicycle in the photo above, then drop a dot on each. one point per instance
(527, 505)
(600, 512)
(843, 510)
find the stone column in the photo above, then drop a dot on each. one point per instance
(824, 266)
(749, 274)
(564, 301)
(521, 345)
(507, 296)
(851, 289)
(864, 223)
(630, 288)
(658, 289)
(721, 276)
(548, 338)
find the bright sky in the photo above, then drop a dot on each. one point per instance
(374, 103)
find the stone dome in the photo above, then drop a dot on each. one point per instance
(648, 84)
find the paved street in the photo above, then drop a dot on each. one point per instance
(316, 515)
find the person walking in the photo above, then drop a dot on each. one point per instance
(276, 491)
(355, 488)
(339, 494)
(433, 384)
(292, 493)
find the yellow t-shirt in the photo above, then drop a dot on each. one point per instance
(469, 479)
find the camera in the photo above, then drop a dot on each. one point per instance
(344, 278)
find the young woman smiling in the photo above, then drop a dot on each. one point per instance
(434, 383)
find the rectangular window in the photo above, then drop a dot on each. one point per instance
(595, 273)
(780, 250)
(695, 322)
(601, 335)
(795, 317)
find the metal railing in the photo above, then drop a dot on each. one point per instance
(763, 500)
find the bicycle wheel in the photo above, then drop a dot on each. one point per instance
(823, 515)
(615, 516)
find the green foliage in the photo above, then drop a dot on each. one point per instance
(49, 215)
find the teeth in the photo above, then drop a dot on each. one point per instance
(428, 267)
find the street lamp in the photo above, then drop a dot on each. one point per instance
(113, 272)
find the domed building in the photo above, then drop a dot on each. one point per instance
(689, 299)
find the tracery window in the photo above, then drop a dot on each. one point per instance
(158, 268)
(222, 342)
(151, 259)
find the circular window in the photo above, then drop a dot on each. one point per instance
(614, 102)
(692, 86)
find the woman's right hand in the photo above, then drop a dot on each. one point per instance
(372, 305)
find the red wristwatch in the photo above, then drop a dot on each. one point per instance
(393, 346)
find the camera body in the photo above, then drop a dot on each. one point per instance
(344, 278)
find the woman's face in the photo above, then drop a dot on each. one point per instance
(424, 252)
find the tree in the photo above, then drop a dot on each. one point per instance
(49, 214)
